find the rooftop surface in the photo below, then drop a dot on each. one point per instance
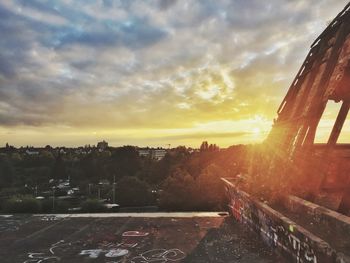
(134, 238)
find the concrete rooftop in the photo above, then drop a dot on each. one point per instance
(134, 238)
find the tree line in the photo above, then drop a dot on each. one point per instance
(184, 180)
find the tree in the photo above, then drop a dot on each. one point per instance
(125, 161)
(131, 191)
(6, 171)
(46, 158)
(204, 146)
(211, 190)
(59, 168)
(89, 167)
(213, 148)
(179, 192)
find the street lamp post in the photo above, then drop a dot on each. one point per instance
(114, 190)
(99, 190)
(53, 199)
(89, 189)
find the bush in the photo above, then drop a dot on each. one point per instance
(92, 206)
(46, 206)
(61, 207)
(22, 204)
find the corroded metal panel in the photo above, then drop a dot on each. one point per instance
(339, 86)
(324, 76)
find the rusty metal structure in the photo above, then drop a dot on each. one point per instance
(322, 171)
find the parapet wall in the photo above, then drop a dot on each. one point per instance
(338, 223)
(288, 238)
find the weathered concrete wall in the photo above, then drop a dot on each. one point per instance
(278, 231)
(338, 223)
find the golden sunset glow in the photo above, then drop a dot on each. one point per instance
(139, 73)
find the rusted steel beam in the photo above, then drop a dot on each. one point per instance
(323, 76)
(297, 82)
(318, 103)
(338, 125)
(301, 123)
(332, 24)
(333, 138)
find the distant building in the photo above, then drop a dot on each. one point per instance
(81, 150)
(104, 182)
(102, 145)
(144, 152)
(63, 184)
(157, 154)
(62, 151)
(32, 152)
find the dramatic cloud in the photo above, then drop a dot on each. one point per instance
(150, 72)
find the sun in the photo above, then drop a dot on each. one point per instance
(256, 134)
(256, 131)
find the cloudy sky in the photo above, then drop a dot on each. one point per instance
(160, 72)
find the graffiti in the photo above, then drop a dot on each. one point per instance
(108, 250)
(108, 245)
(159, 256)
(308, 253)
(265, 227)
(9, 225)
(237, 209)
(35, 257)
(302, 250)
(273, 233)
(49, 218)
(126, 244)
(118, 250)
(131, 239)
(109, 253)
(92, 253)
(59, 244)
(40, 257)
(115, 253)
(123, 244)
(135, 234)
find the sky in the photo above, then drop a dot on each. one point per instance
(152, 72)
